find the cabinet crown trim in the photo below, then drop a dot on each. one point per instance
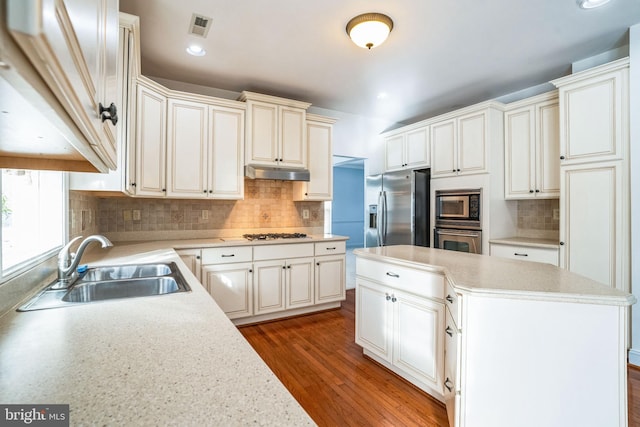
(618, 64)
(532, 100)
(322, 119)
(253, 96)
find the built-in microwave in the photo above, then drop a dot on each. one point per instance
(459, 208)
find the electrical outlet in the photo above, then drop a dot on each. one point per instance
(305, 213)
(205, 214)
(83, 222)
(126, 215)
(556, 214)
(136, 214)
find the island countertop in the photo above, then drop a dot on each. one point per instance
(488, 275)
(163, 360)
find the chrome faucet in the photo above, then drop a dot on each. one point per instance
(68, 262)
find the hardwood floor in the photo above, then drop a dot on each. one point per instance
(316, 358)
(318, 361)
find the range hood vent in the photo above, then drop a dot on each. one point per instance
(282, 174)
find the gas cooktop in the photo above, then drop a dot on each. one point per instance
(274, 236)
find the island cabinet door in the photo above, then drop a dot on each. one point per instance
(418, 325)
(374, 317)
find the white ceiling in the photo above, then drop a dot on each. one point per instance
(441, 54)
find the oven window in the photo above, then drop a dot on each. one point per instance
(452, 245)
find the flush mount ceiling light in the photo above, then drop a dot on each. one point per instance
(370, 29)
(196, 50)
(592, 4)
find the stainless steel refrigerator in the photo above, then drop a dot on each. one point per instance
(398, 208)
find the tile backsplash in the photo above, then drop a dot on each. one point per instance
(267, 205)
(536, 218)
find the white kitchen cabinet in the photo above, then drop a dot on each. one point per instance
(320, 161)
(408, 149)
(73, 46)
(227, 274)
(451, 369)
(525, 253)
(151, 139)
(460, 141)
(594, 222)
(226, 152)
(192, 258)
(275, 131)
(594, 113)
(403, 330)
(330, 272)
(532, 148)
(283, 284)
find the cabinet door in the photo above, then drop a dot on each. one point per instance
(73, 45)
(418, 349)
(151, 144)
(262, 134)
(594, 118)
(293, 140)
(520, 153)
(394, 152)
(231, 285)
(472, 143)
(192, 258)
(320, 157)
(330, 278)
(417, 148)
(299, 283)
(187, 140)
(269, 277)
(593, 214)
(374, 317)
(443, 149)
(226, 153)
(548, 149)
(451, 370)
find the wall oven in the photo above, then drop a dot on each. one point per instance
(458, 220)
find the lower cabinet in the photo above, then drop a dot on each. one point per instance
(451, 369)
(526, 253)
(283, 284)
(191, 257)
(403, 330)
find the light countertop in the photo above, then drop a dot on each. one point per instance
(487, 275)
(163, 360)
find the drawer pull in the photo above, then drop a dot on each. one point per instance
(387, 297)
(393, 298)
(448, 384)
(228, 256)
(517, 254)
(449, 298)
(390, 274)
(332, 249)
(449, 331)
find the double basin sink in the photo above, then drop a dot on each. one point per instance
(112, 282)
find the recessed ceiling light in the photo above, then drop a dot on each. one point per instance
(592, 4)
(196, 50)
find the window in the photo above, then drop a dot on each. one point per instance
(33, 218)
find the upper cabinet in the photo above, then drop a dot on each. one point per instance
(72, 45)
(532, 148)
(594, 123)
(275, 131)
(320, 161)
(407, 148)
(460, 140)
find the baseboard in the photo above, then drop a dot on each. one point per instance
(634, 357)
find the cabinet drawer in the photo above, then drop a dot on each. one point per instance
(422, 283)
(330, 248)
(226, 255)
(546, 255)
(452, 300)
(294, 250)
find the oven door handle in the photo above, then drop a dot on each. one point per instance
(458, 234)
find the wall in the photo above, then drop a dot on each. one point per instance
(348, 202)
(267, 207)
(634, 98)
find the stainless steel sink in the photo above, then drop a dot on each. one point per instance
(112, 282)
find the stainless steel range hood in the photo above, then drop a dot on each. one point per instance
(283, 174)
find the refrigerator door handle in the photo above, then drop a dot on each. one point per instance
(384, 219)
(380, 219)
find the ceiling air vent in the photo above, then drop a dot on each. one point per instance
(200, 25)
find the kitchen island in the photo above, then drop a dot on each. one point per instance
(173, 359)
(502, 342)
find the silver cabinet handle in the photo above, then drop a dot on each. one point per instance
(517, 254)
(449, 331)
(390, 274)
(448, 384)
(449, 298)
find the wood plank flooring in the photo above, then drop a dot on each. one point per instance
(316, 358)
